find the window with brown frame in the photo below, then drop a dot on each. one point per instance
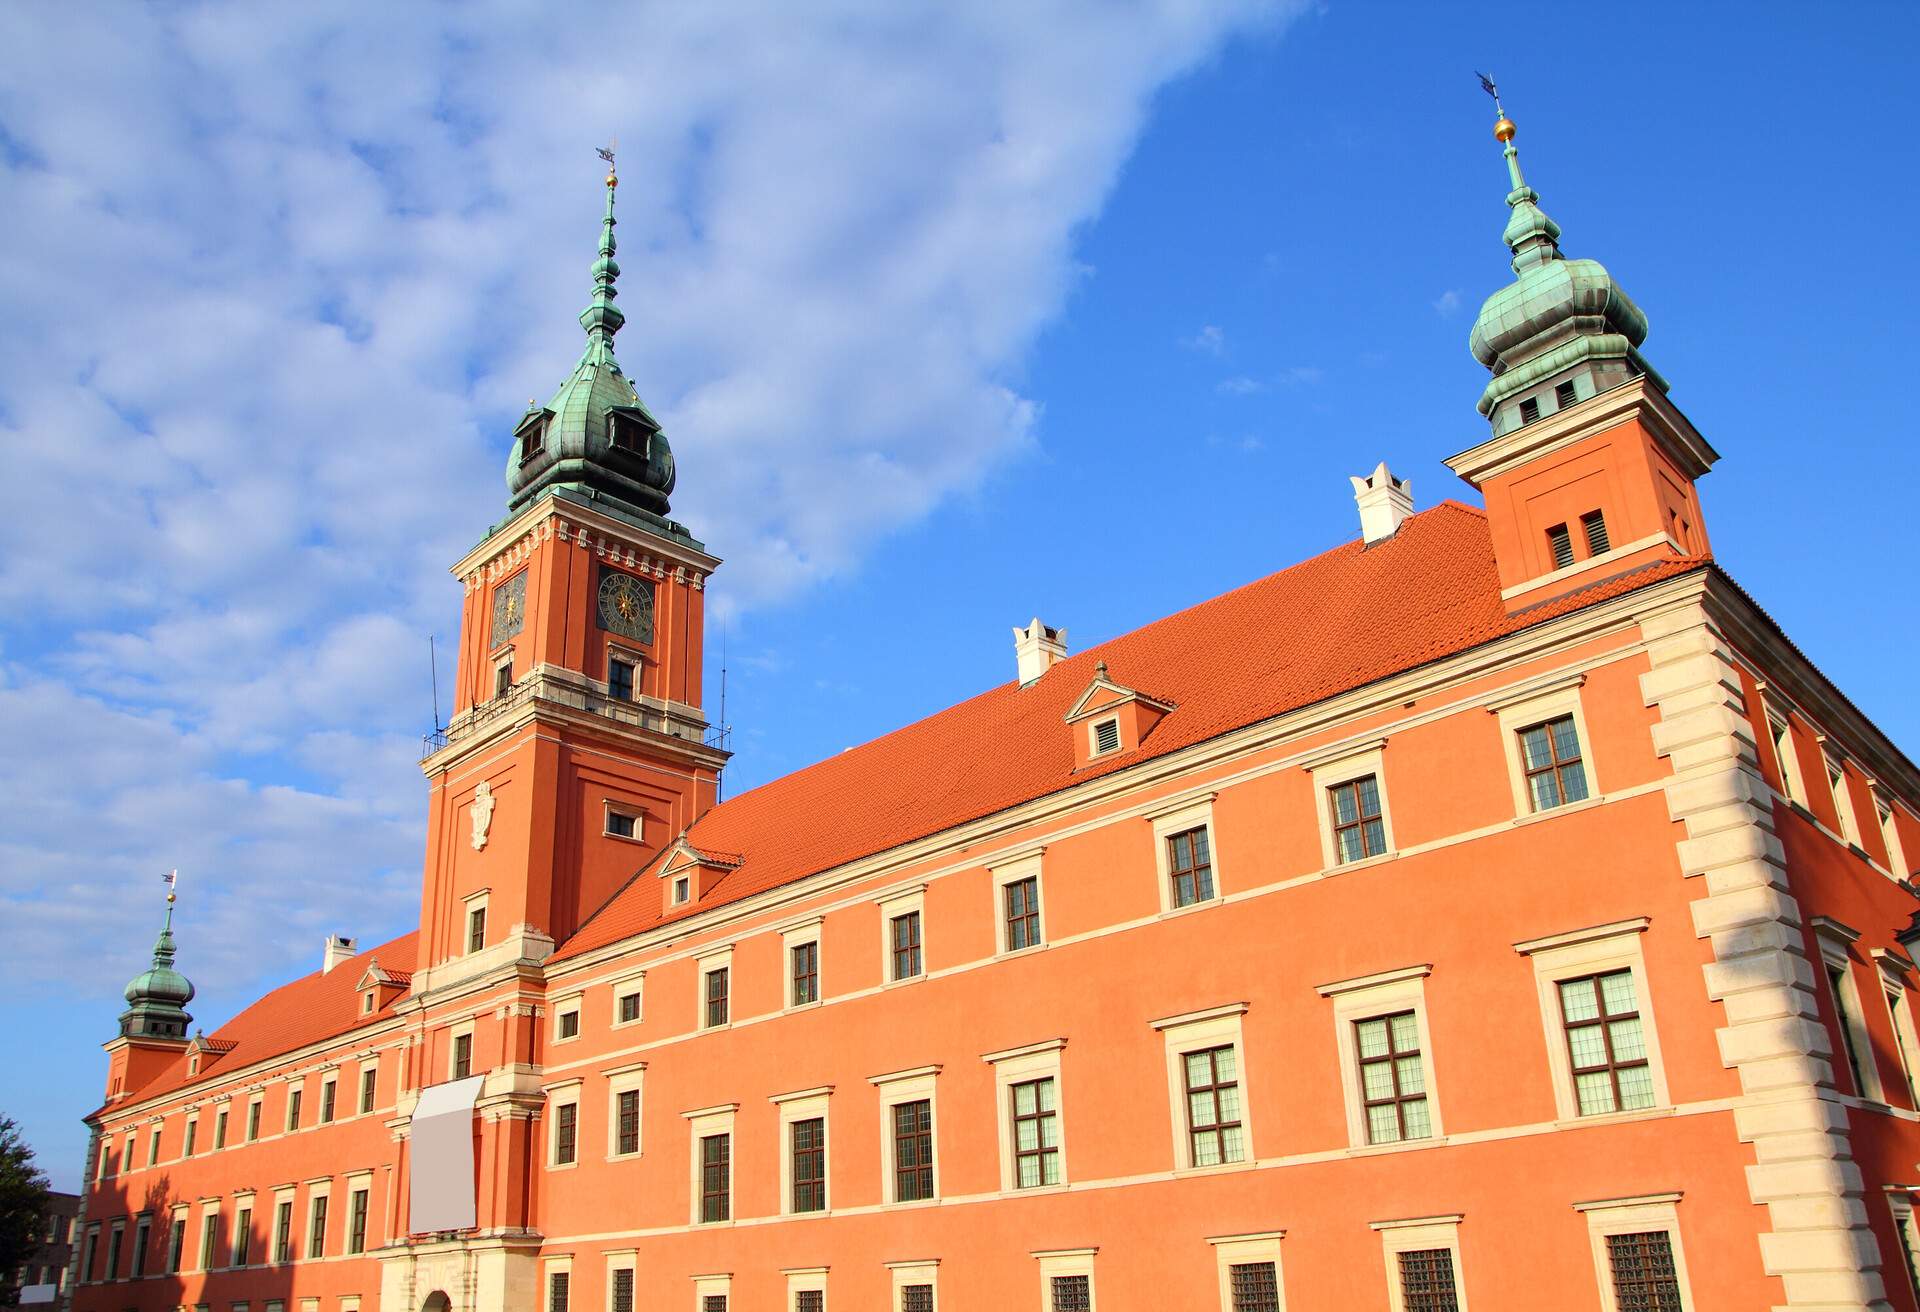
(1254, 1287)
(717, 997)
(912, 1151)
(294, 1097)
(628, 1007)
(627, 1122)
(621, 825)
(329, 1100)
(282, 1231)
(1358, 830)
(1190, 866)
(1605, 1043)
(1022, 897)
(1427, 1282)
(623, 1289)
(906, 945)
(1072, 1293)
(805, 961)
(1213, 1105)
(476, 929)
(809, 1300)
(570, 1024)
(357, 1222)
(1036, 1134)
(220, 1130)
(559, 1286)
(1393, 1077)
(713, 1303)
(716, 1170)
(916, 1298)
(809, 1139)
(317, 1229)
(503, 677)
(566, 1133)
(368, 1079)
(462, 1056)
(1644, 1277)
(1550, 756)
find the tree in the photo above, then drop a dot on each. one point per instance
(23, 1205)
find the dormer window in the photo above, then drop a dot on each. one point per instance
(366, 1003)
(1595, 525)
(1106, 737)
(626, 433)
(532, 442)
(681, 890)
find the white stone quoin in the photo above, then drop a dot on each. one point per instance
(1038, 648)
(1384, 502)
(339, 948)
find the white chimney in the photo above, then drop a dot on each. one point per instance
(1384, 502)
(339, 948)
(1037, 647)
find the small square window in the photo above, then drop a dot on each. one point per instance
(1427, 1282)
(1254, 1286)
(1072, 1293)
(1642, 1269)
(570, 1024)
(621, 825)
(1106, 737)
(626, 1007)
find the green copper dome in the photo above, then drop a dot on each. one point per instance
(157, 998)
(1563, 331)
(594, 441)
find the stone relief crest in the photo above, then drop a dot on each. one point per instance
(481, 812)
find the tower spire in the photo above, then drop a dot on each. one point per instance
(157, 998)
(602, 318)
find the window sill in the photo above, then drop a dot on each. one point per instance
(813, 1005)
(900, 983)
(1218, 1168)
(1032, 1190)
(910, 1204)
(1007, 954)
(1400, 1146)
(633, 1156)
(1190, 908)
(1568, 808)
(562, 1166)
(1341, 867)
(715, 1029)
(627, 838)
(627, 1024)
(1613, 1118)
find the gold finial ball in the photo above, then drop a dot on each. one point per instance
(1504, 129)
(611, 180)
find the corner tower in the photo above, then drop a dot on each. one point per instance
(1590, 469)
(153, 1028)
(578, 744)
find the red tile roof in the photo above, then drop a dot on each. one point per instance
(314, 1007)
(1333, 623)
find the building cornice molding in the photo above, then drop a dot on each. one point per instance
(549, 519)
(1636, 399)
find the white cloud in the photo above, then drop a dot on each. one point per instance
(1211, 339)
(277, 282)
(1448, 304)
(1239, 385)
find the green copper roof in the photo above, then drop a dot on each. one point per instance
(157, 997)
(594, 439)
(1561, 322)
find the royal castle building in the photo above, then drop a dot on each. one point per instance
(1497, 911)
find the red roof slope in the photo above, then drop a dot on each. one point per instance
(1332, 623)
(311, 1008)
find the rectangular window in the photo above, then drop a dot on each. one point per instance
(1594, 525)
(1071, 1293)
(114, 1243)
(916, 1298)
(1564, 395)
(368, 1079)
(558, 1284)
(1190, 866)
(317, 1229)
(566, 1133)
(906, 945)
(809, 1300)
(294, 1096)
(1106, 736)
(620, 680)
(1022, 912)
(283, 1231)
(1254, 1287)
(713, 1303)
(628, 1008)
(1393, 1081)
(619, 824)
(1890, 834)
(476, 929)
(809, 1165)
(193, 1132)
(1550, 756)
(93, 1254)
(627, 1122)
(623, 1289)
(1036, 1134)
(1785, 762)
(242, 1236)
(1529, 410)
(1560, 546)
(682, 890)
(503, 676)
(176, 1244)
(153, 1148)
(220, 1130)
(1427, 1284)
(462, 1056)
(805, 961)
(1903, 1039)
(1641, 1266)
(1213, 1105)
(717, 997)
(570, 1024)
(1843, 1012)
(328, 1099)
(1903, 1223)
(253, 1121)
(357, 1222)
(1358, 831)
(209, 1237)
(716, 1169)
(913, 1151)
(1605, 1046)
(1842, 801)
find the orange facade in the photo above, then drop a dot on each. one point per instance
(1436, 923)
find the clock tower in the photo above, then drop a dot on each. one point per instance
(577, 746)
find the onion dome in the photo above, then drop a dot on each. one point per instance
(1563, 331)
(157, 998)
(594, 441)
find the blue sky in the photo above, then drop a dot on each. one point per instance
(1059, 309)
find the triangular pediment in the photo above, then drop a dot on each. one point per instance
(1103, 694)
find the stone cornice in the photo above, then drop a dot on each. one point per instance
(1637, 399)
(548, 519)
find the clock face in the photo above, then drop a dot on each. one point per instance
(626, 605)
(509, 608)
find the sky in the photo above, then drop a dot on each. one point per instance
(955, 315)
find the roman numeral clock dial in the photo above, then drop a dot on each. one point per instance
(626, 605)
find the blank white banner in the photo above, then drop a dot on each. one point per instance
(38, 1294)
(442, 1134)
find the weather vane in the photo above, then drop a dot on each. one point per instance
(606, 153)
(1486, 85)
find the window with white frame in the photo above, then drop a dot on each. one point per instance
(1423, 1263)
(1786, 759)
(476, 905)
(460, 1051)
(1026, 1083)
(1549, 753)
(1066, 1276)
(903, 936)
(1354, 823)
(1836, 942)
(710, 1131)
(623, 822)
(1186, 855)
(803, 1150)
(916, 1285)
(909, 1151)
(318, 1196)
(1017, 921)
(1900, 1203)
(1206, 1078)
(242, 1231)
(559, 1284)
(800, 946)
(1893, 983)
(1380, 1027)
(566, 1019)
(716, 985)
(1842, 796)
(1890, 834)
(369, 1086)
(1603, 1049)
(1637, 1255)
(806, 1289)
(625, 1085)
(1249, 1270)
(563, 1124)
(626, 1000)
(621, 1266)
